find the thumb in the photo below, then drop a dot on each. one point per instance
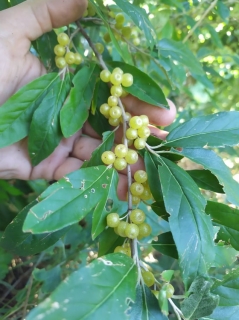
(32, 18)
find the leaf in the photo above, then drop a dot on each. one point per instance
(192, 230)
(4, 4)
(225, 256)
(216, 130)
(108, 241)
(206, 180)
(179, 52)
(106, 145)
(223, 214)
(16, 113)
(223, 313)
(215, 164)
(5, 260)
(140, 18)
(200, 302)
(23, 244)
(45, 48)
(45, 132)
(223, 11)
(214, 36)
(51, 278)
(229, 235)
(76, 108)
(144, 87)
(145, 306)
(109, 282)
(166, 245)
(70, 199)
(159, 208)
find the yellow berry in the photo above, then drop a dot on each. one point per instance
(127, 80)
(61, 62)
(70, 58)
(120, 164)
(118, 70)
(131, 134)
(112, 101)
(59, 50)
(145, 120)
(148, 278)
(115, 112)
(114, 122)
(135, 122)
(136, 41)
(63, 39)
(99, 47)
(104, 109)
(116, 91)
(136, 189)
(105, 75)
(139, 143)
(78, 58)
(108, 157)
(140, 176)
(113, 220)
(121, 228)
(131, 157)
(116, 78)
(121, 150)
(144, 132)
(132, 231)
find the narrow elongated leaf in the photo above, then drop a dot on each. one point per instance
(223, 214)
(215, 164)
(76, 108)
(16, 113)
(24, 244)
(108, 241)
(217, 130)
(45, 132)
(192, 229)
(229, 235)
(206, 180)
(140, 18)
(223, 313)
(200, 302)
(166, 245)
(145, 306)
(101, 290)
(70, 200)
(225, 256)
(144, 87)
(4, 4)
(5, 260)
(159, 208)
(179, 51)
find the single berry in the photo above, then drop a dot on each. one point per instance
(144, 132)
(169, 290)
(116, 91)
(114, 122)
(113, 220)
(99, 47)
(126, 32)
(118, 26)
(91, 10)
(137, 216)
(148, 278)
(116, 78)
(135, 200)
(63, 39)
(59, 50)
(146, 195)
(144, 230)
(140, 176)
(120, 249)
(139, 143)
(108, 157)
(132, 231)
(112, 101)
(104, 109)
(118, 70)
(136, 189)
(121, 150)
(105, 75)
(61, 62)
(70, 58)
(106, 37)
(131, 157)
(121, 228)
(145, 120)
(131, 134)
(127, 247)
(134, 34)
(115, 112)
(136, 41)
(120, 164)
(119, 18)
(127, 80)
(135, 122)
(78, 58)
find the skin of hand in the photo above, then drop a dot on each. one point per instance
(19, 26)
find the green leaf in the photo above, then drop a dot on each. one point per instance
(145, 306)
(76, 108)
(192, 229)
(206, 180)
(223, 214)
(179, 52)
(4, 4)
(225, 256)
(140, 18)
(110, 284)
(50, 278)
(223, 313)
(200, 302)
(166, 245)
(216, 130)
(16, 113)
(5, 260)
(167, 275)
(106, 145)
(163, 301)
(215, 164)
(23, 244)
(229, 235)
(45, 132)
(144, 87)
(223, 11)
(70, 199)
(214, 36)
(159, 208)
(45, 48)
(108, 241)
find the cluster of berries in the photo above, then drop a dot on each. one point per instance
(64, 56)
(117, 78)
(139, 189)
(122, 31)
(90, 11)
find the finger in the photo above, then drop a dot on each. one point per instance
(157, 116)
(30, 19)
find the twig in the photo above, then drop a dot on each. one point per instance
(27, 297)
(212, 5)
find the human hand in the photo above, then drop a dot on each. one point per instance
(19, 66)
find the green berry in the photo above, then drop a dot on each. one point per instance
(127, 80)
(137, 216)
(114, 122)
(120, 164)
(169, 290)
(78, 58)
(70, 58)
(106, 37)
(144, 132)
(59, 50)
(112, 101)
(120, 249)
(145, 119)
(108, 157)
(132, 231)
(148, 278)
(116, 78)
(121, 150)
(105, 75)
(115, 112)
(104, 109)
(144, 230)
(131, 157)
(136, 189)
(118, 70)
(63, 39)
(126, 32)
(135, 122)
(113, 220)
(136, 41)
(146, 195)
(121, 228)
(131, 133)
(61, 62)
(116, 91)
(140, 176)
(119, 18)
(99, 47)
(139, 143)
